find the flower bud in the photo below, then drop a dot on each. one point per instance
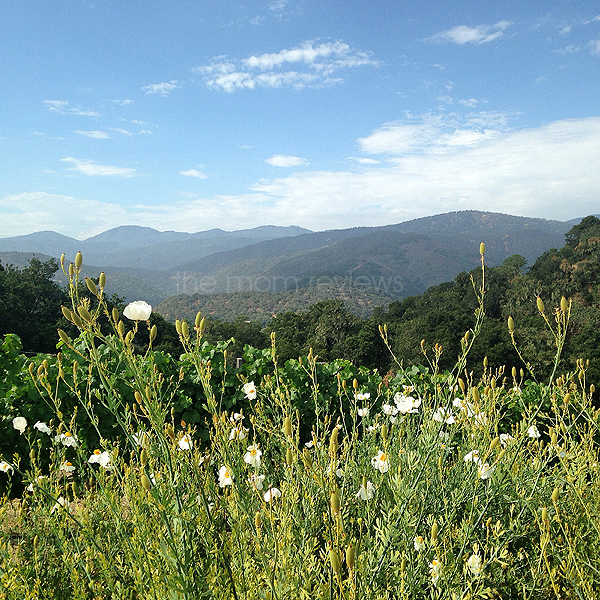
(333, 442)
(540, 305)
(129, 337)
(144, 457)
(461, 385)
(102, 280)
(355, 384)
(71, 270)
(476, 396)
(145, 482)
(115, 314)
(564, 304)
(66, 313)
(198, 319)
(567, 398)
(482, 248)
(495, 443)
(91, 286)
(169, 431)
(257, 520)
(555, 495)
(334, 500)
(287, 426)
(32, 455)
(78, 260)
(153, 332)
(544, 514)
(334, 559)
(84, 313)
(64, 337)
(289, 457)
(178, 326)
(384, 432)
(185, 329)
(511, 324)
(485, 361)
(202, 325)
(514, 372)
(350, 557)
(307, 458)
(434, 532)
(76, 319)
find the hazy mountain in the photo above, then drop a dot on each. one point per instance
(393, 261)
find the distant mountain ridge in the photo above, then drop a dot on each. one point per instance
(391, 261)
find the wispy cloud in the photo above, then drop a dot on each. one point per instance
(463, 34)
(89, 167)
(280, 160)
(63, 107)
(594, 46)
(119, 130)
(313, 64)
(194, 173)
(97, 135)
(162, 89)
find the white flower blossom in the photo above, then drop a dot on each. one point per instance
(485, 471)
(381, 462)
(533, 432)
(257, 481)
(41, 426)
(67, 467)
(238, 433)
(67, 439)
(419, 543)
(252, 456)
(389, 409)
(138, 311)
(473, 456)
(38, 481)
(61, 502)
(5, 467)
(366, 492)
(225, 476)
(250, 390)
(435, 570)
(464, 406)
(406, 404)
(475, 565)
(271, 494)
(363, 397)
(441, 414)
(186, 442)
(102, 459)
(363, 412)
(505, 438)
(20, 424)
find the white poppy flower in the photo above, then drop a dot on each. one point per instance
(363, 397)
(67, 467)
(41, 426)
(67, 439)
(366, 492)
(5, 467)
(475, 565)
(419, 543)
(271, 494)
(225, 476)
(435, 570)
(138, 311)
(533, 432)
(252, 457)
(250, 390)
(186, 442)
(101, 458)
(257, 481)
(363, 412)
(406, 404)
(485, 471)
(473, 456)
(20, 424)
(441, 414)
(381, 462)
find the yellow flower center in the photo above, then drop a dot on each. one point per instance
(383, 457)
(97, 452)
(67, 434)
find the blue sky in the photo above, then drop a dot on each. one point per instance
(188, 115)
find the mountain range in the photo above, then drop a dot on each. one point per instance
(373, 264)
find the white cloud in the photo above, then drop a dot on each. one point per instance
(286, 161)
(470, 103)
(63, 107)
(594, 46)
(125, 102)
(97, 135)
(164, 89)
(313, 64)
(463, 34)
(549, 172)
(194, 173)
(88, 167)
(364, 161)
(119, 130)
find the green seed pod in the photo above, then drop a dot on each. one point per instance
(384, 432)
(495, 443)
(555, 495)
(355, 384)
(257, 520)
(76, 319)
(144, 457)
(334, 559)
(476, 396)
(66, 313)
(289, 457)
(202, 325)
(145, 482)
(129, 337)
(434, 532)
(514, 372)
(64, 337)
(333, 442)
(153, 333)
(84, 313)
(350, 557)
(511, 324)
(485, 361)
(78, 260)
(307, 458)
(540, 305)
(32, 455)
(334, 501)
(567, 398)
(178, 326)
(91, 286)
(564, 304)
(170, 431)
(198, 319)
(482, 249)
(71, 270)
(115, 314)
(121, 328)
(461, 385)
(544, 514)
(287, 426)
(102, 280)
(185, 329)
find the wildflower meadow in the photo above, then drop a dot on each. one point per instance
(134, 475)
